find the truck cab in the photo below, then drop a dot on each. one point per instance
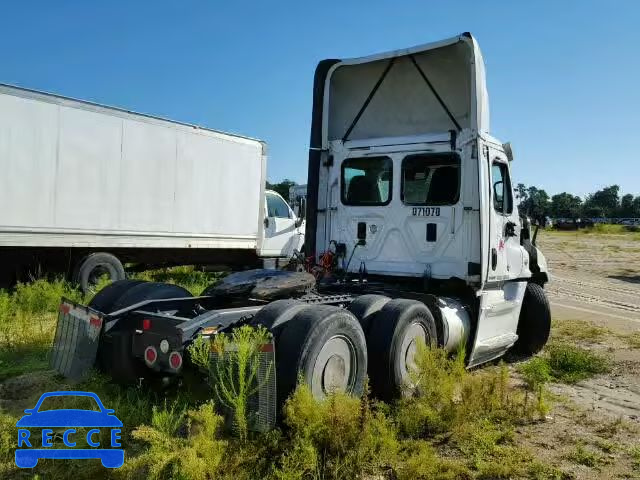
(407, 184)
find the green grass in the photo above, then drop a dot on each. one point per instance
(563, 362)
(579, 330)
(186, 276)
(634, 452)
(570, 363)
(583, 456)
(633, 340)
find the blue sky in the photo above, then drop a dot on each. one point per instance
(563, 77)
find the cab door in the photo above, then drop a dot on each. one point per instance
(502, 295)
(281, 235)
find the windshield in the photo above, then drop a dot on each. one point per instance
(367, 181)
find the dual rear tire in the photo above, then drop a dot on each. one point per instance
(322, 346)
(394, 329)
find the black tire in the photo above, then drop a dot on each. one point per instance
(308, 334)
(114, 355)
(534, 324)
(393, 332)
(105, 298)
(89, 268)
(275, 315)
(365, 307)
(150, 291)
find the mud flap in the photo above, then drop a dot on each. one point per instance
(75, 345)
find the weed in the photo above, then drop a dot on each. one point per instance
(634, 452)
(168, 420)
(580, 330)
(607, 446)
(234, 374)
(341, 437)
(582, 456)
(612, 428)
(186, 276)
(632, 340)
(570, 363)
(197, 456)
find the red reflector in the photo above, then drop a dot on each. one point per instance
(266, 347)
(146, 324)
(150, 355)
(175, 360)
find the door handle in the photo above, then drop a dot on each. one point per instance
(266, 222)
(494, 258)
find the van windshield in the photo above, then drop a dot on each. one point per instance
(367, 181)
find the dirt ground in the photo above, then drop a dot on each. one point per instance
(593, 429)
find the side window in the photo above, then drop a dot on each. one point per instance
(501, 184)
(430, 179)
(367, 181)
(276, 207)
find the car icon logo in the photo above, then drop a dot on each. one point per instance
(31, 448)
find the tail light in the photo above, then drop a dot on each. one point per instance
(150, 355)
(146, 324)
(175, 360)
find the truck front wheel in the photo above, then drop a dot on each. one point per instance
(534, 324)
(92, 268)
(394, 335)
(324, 347)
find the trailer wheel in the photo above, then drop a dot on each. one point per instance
(114, 354)
(93, 267)
(534, 324)
(325, 347)
(392, 342)
(365, 307)
(105, 298)
(275, 316)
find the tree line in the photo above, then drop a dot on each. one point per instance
(604, 203)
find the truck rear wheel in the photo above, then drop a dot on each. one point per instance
(91, 269)
(392, 342)
(275, 316)
(534, 324)
(365, 307)
(325, 347)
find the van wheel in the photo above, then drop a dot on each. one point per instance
(325, 347)
(365, 307)
(534, 324)
(93, 268)
(393, 339)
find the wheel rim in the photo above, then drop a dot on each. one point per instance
(335, 367)
(409, 347)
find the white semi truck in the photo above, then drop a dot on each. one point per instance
(85, 188)
(412, 234)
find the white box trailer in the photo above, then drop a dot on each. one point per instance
(80, 179)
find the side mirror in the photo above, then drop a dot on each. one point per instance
(266, 222)
(298, 222)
